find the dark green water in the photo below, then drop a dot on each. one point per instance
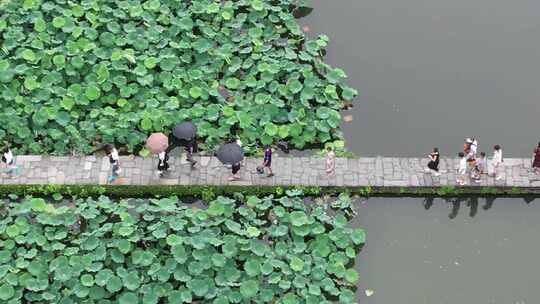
(431, 73)
(434, 252)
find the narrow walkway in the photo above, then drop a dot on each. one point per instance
(308, 171)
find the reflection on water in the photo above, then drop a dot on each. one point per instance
(459, 250)
(431, 73)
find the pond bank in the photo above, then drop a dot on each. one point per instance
(387, 175)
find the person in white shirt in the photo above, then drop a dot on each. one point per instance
(163, 164)
(9, 160)
(462, 169)
(497, 162)
(114, 159)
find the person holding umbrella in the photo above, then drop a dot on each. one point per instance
(231, 154)
(185, 134)
(157, 143)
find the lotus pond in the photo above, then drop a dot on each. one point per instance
(230, 250)
(75, 73)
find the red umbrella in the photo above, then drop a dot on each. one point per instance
(157, 143)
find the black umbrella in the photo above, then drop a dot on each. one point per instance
(230, 153)
(185, 130)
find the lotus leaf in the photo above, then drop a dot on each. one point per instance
(249, 289)
(207, 258)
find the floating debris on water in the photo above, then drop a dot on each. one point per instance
(369, 292)
(348, 118)
(306, 29)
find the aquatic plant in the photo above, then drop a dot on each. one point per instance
(235, 250)
(73, 73)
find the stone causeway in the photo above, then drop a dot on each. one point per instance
(289, 171)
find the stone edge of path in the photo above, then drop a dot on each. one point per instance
(375, 172)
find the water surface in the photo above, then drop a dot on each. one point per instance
(431, 73)
(473, 251)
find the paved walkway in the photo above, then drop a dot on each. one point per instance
(379, 171)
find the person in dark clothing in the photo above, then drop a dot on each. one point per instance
(235, 170)
(434, 159)
(536, 160)
(190, 145)
(267, 162)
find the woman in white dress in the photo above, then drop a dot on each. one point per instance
(497, 162)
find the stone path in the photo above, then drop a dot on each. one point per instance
(379, 171)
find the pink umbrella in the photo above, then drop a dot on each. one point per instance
(157, 143)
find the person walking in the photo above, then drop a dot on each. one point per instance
(114, 159)
(330, 162)
(480, 167)
(163, 163)
(9, 160)
(267, 161)
(462, 169)
(235, 169)
(191, 147)
(497, 162)
(536, 160)
(433, 164)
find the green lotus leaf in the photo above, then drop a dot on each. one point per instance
(40, 25)
(58, 22)
(124, 246)
(252, 267)
(294, 86)
(103, 276)
(128, 298)
(28, 55)
(199, 287)
(298, 218)
(351, 276)
(87, 280)
(296, 264)
(59, 60)
(92, 92)
(179, 253)
(358, 236)
(290, 298)
(347, 297)
(131, 281)
(271, 129)
(195, 92)
(232, 83)
(249, 289)
(253, 231)
(173, 240)
(6, 292)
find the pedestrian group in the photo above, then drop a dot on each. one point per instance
(472, 167)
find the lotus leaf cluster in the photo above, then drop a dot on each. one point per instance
(73, 73)
(233, 250)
